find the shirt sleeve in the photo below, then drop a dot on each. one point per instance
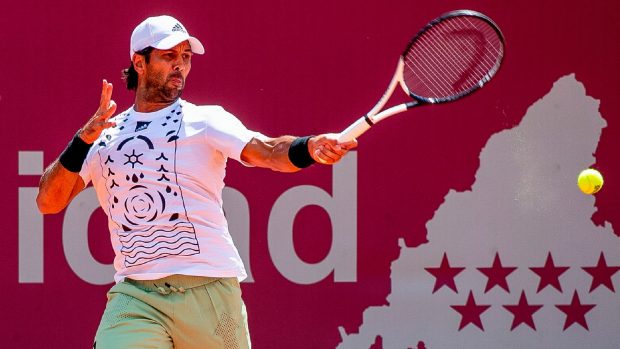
(227, 134)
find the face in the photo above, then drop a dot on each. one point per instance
(163, 77)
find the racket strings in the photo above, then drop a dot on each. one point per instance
(489, 33)
(487, 58)
(438, 79)
(426, 68)
(465, 55)
(443, 70)
(447, 69)
(452, 57)
(456, 56)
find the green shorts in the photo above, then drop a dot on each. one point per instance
(182, 312)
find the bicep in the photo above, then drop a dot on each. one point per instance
(224, 132)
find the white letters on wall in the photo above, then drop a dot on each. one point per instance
(341, 207)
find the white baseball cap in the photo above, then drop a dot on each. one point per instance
(161, 32)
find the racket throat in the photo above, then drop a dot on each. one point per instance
(369, 120)
(411, 104)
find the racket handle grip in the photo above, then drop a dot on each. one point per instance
(355, 130)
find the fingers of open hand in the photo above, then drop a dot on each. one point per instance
(100, 119)
(93, 129)
(107, 106)
(109, 111)
(106, 94)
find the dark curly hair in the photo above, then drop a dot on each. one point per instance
(130, 75)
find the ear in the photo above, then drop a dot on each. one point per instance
(139, 63)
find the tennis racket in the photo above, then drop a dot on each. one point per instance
(451, 57)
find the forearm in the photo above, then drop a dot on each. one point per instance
(270, 153)
(291, 154)
(61, 181)
(57, 188)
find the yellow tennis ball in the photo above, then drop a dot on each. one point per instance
(590, 181)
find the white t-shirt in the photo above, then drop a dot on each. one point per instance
(159, 178)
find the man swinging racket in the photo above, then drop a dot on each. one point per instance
(158, 169)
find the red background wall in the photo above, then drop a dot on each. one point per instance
(285, 67)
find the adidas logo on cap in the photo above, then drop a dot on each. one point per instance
(178, 28)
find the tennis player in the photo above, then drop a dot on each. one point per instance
(158, 169)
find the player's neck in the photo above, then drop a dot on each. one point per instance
(146, 104)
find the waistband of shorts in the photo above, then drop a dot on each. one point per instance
(172, 283)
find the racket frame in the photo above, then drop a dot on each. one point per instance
(486, 78)
(364, 123)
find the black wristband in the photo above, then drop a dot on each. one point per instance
(72, 158)
(298, 153)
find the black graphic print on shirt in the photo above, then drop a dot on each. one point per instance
(138, 162)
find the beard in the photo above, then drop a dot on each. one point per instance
(158, 89)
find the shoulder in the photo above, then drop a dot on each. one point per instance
(204, 110)
(207, 113)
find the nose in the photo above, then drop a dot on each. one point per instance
(178, 66)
